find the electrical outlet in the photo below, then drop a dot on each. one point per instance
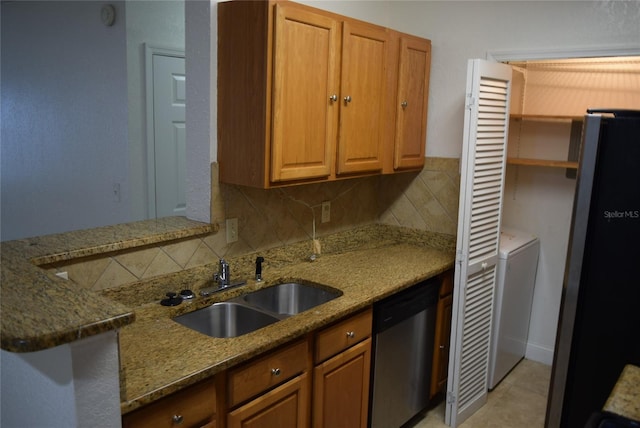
(232, 230)
(326, 212)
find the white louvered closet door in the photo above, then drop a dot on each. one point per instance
(484, 150)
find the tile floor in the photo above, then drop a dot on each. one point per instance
(519, 401)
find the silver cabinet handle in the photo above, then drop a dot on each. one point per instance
(275, 372)
(351, 334)
(333, 98)
(177, 419)
(347, 99)
(404, 104)
(441, 346)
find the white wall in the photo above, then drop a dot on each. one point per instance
(539, 200)
(160, 24)
(64, 115)
(201, 36)
(73, 385)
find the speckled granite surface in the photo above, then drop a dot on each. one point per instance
(625, 397)
(159, 356)
(40, 310)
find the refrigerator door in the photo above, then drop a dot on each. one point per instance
(598, 328)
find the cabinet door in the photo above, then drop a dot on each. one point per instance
(365, 62)
(304, 123)
(287, 406)
(341, 389)
(412, 102)
(441, 345)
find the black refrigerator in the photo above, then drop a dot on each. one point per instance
(599, 325)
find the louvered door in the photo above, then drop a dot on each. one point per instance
(481, 187)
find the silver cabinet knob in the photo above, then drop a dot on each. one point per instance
(351, 334)
(333, 98)
(347, 99)
(441, 346)
(404, 104)
(275, 372)
(177, 419)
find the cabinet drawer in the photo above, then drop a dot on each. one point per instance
(257, 376)
(191, 407)
(339, 337)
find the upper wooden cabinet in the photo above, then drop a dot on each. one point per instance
(305, 74)
(412, 102)
(305, 95)
(366, 60)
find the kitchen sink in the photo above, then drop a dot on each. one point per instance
(256, 310)
(226, 319)
(290, 298)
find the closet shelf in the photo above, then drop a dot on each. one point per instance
(542, 117)
(542, 162)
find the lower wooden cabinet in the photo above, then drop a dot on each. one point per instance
(193, 407)
(341, 389)
(320, 381)
(286, 406)
(255, 377)
(440, 365)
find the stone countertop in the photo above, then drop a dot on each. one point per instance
(625, 397)
(159, 356)
(39, 310)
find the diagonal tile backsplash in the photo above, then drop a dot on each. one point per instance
(425, 200)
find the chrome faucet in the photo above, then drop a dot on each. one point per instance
(222, 278)
(224, 274)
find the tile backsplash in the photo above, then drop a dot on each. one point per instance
(425, 200)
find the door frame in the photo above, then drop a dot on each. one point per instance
(149, 52)
(563, 53)
(560, 370)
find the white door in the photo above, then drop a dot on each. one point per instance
(486, 123)
(169, 98)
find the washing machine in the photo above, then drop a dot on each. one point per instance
(515, 281)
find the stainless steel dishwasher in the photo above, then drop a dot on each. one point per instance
(404, 329)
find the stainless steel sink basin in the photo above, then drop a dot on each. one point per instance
(256, 310)
(290, 298)
(226, 319)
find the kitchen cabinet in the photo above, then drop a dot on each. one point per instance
(272, 390)
(443, 334)
(342, 373)
(414, 67)
(305, 95)
(193, 407)
(285, 407)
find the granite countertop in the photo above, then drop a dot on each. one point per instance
(159, 356)
(625, 397)
(40, 311)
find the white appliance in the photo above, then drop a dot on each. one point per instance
(516, 277)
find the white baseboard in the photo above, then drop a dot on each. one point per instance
(539, 353)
